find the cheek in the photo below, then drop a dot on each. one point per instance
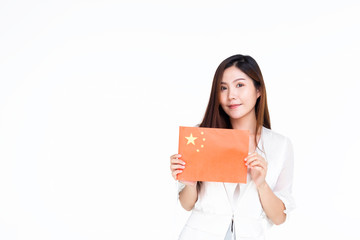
(222, 98)
(248, 96)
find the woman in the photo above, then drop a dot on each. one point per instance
(232, 210)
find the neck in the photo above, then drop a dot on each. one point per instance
(247, 122)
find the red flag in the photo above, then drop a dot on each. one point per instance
(213, 154)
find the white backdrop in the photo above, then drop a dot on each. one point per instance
(92, 94)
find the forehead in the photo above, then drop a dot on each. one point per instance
(232, 73)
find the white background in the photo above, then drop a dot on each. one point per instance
(92, 94)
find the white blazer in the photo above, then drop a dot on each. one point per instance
(211, 215)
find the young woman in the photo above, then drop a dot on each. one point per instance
(233, 210)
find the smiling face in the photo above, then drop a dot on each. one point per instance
(238, 94)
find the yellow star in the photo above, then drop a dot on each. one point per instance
(191, 139)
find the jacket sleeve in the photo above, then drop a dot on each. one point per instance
(180, 187)
(283, 187)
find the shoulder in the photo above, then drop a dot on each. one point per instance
(275, 141)
(279, 154)
(275, 137)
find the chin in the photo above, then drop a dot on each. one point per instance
(235, 116)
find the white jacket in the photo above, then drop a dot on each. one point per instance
(211, 215)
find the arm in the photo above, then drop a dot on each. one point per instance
(276, 204)
(272, 205)
(188, 195)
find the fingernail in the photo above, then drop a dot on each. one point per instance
(183, 163)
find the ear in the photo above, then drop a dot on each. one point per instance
(258, 93)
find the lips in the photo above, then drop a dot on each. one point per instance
(233, 106)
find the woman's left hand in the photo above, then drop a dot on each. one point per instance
(258, 168)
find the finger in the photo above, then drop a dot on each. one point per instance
(258, 160)
(252, 154)
(259, 166)
(175, 173)
(177, 161)
(262, 161)
(175, 156)
(260, 169)
(251, 159)
(256, 163)
(176, 166)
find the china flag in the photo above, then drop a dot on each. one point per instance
(213, 154)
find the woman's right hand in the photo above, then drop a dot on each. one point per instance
(177, 166)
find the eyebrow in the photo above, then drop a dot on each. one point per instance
(238, 79)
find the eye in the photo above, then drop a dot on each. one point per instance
(239, 85)
(222, 88)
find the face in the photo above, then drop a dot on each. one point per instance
(237, 93)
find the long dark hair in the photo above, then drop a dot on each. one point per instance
(215, 116)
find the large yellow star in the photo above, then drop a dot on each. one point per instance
(191, 139)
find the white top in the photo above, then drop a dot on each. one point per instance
(212, 212)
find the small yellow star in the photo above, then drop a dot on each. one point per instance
(191, 139)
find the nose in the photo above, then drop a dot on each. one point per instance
(231, 93)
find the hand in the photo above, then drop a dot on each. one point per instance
(258, 168)
(177, 166)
